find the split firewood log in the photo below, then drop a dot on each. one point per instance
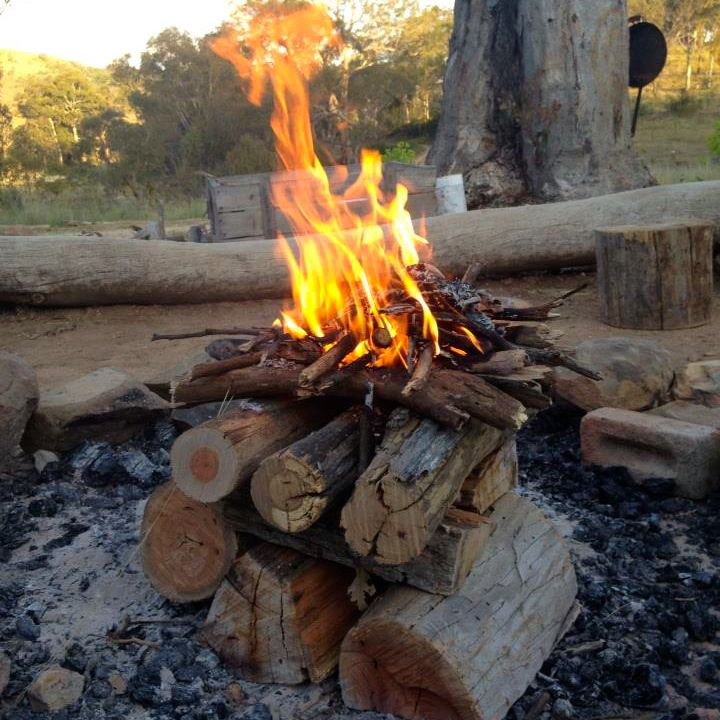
(401, 498)
(505, 362)
(212, 460)
(471, 655)
(293, 487)
(279, 616)
(441, 568)
(496, 475)
(186, 547)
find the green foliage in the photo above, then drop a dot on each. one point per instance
(714, 140)
(400, 152)
(684, 104)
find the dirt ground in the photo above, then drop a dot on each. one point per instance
(64, 343)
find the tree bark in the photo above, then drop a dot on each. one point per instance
(63, 271)
(294, 487)
(401, 498)
(655, 277)
(441, 569)
(280, 617)
(471, 655)
(212, 460)
(496, 475)
(186, 547)
(536, 101)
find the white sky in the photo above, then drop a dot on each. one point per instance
(95, 32)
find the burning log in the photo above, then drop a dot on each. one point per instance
(505, 362)
(471, 655)
(294, 487)
(441, 568)
(280, 617)
(400, 500)
(328, 362)
(212, 460)
(186, 548)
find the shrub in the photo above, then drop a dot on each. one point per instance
(714, 140)
(401, 152)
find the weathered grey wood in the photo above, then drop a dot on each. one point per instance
(471, 655)
(496, 475)
(293, 487)
(70, 271)
(535, 101)
(401, 498)
(212, 460)
(442, 567)
(279, 616)
(186, 547)
(655, 277)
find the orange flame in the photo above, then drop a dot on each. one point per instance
(347, 261)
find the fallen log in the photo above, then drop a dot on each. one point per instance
(186, 547)
(64, 271)
(279, 617)
(450, 397)
(212, 460)
(293, 487)
(401, 498)
(471, 655)
(441, 569)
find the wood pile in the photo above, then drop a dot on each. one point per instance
(338, 481)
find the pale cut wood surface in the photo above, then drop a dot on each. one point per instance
(471, 655)
(186, 547)
(292, 488)
(489, 481)
(442, 567)
(279, 616)
(415, 476)
(212, 460)
(655, 277)
(66, 271)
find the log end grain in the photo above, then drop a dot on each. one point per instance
(185, 546)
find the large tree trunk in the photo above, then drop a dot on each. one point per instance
(542, 86)
(63, 271)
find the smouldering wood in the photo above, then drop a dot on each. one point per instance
(328, 361)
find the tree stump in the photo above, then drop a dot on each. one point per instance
(471, 655)
(280, 617)
(655, 277)
(185, 547)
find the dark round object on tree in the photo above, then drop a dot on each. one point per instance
(648, 53)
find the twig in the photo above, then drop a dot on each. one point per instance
(328, 361)
(134, 641)
(250, 332)
(421, 373)
(555, 358)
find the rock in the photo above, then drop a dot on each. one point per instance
(27, 628)
(118, 683)
(260, 711)
(690, 412)
(562, 709)
(637, 375)
(42, 458)
(699, 382)
(18, 400)
(5, 668)
(704, 714)
(55, 688)
(708, 671)
(235, 694)
(107, 405)
(650, 446)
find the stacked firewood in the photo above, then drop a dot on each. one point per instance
(330, 482)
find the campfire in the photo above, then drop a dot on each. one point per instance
(370, 427)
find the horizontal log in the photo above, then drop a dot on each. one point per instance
(65, 271)
(441, 569)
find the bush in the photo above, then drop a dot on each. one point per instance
(11, 199)
(401, 152)
(684, 104)
(714, 140)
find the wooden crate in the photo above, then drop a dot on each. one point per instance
(240, 207)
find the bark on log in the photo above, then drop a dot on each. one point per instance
(441, 569)
(66, 271)
(450, 397)
(471, 655)
(294, 487)
(212, 460)
(496, 475)
(186, 547)
(401, 498)
(279, 617)
(657, 277)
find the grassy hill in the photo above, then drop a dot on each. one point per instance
(17, 66)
